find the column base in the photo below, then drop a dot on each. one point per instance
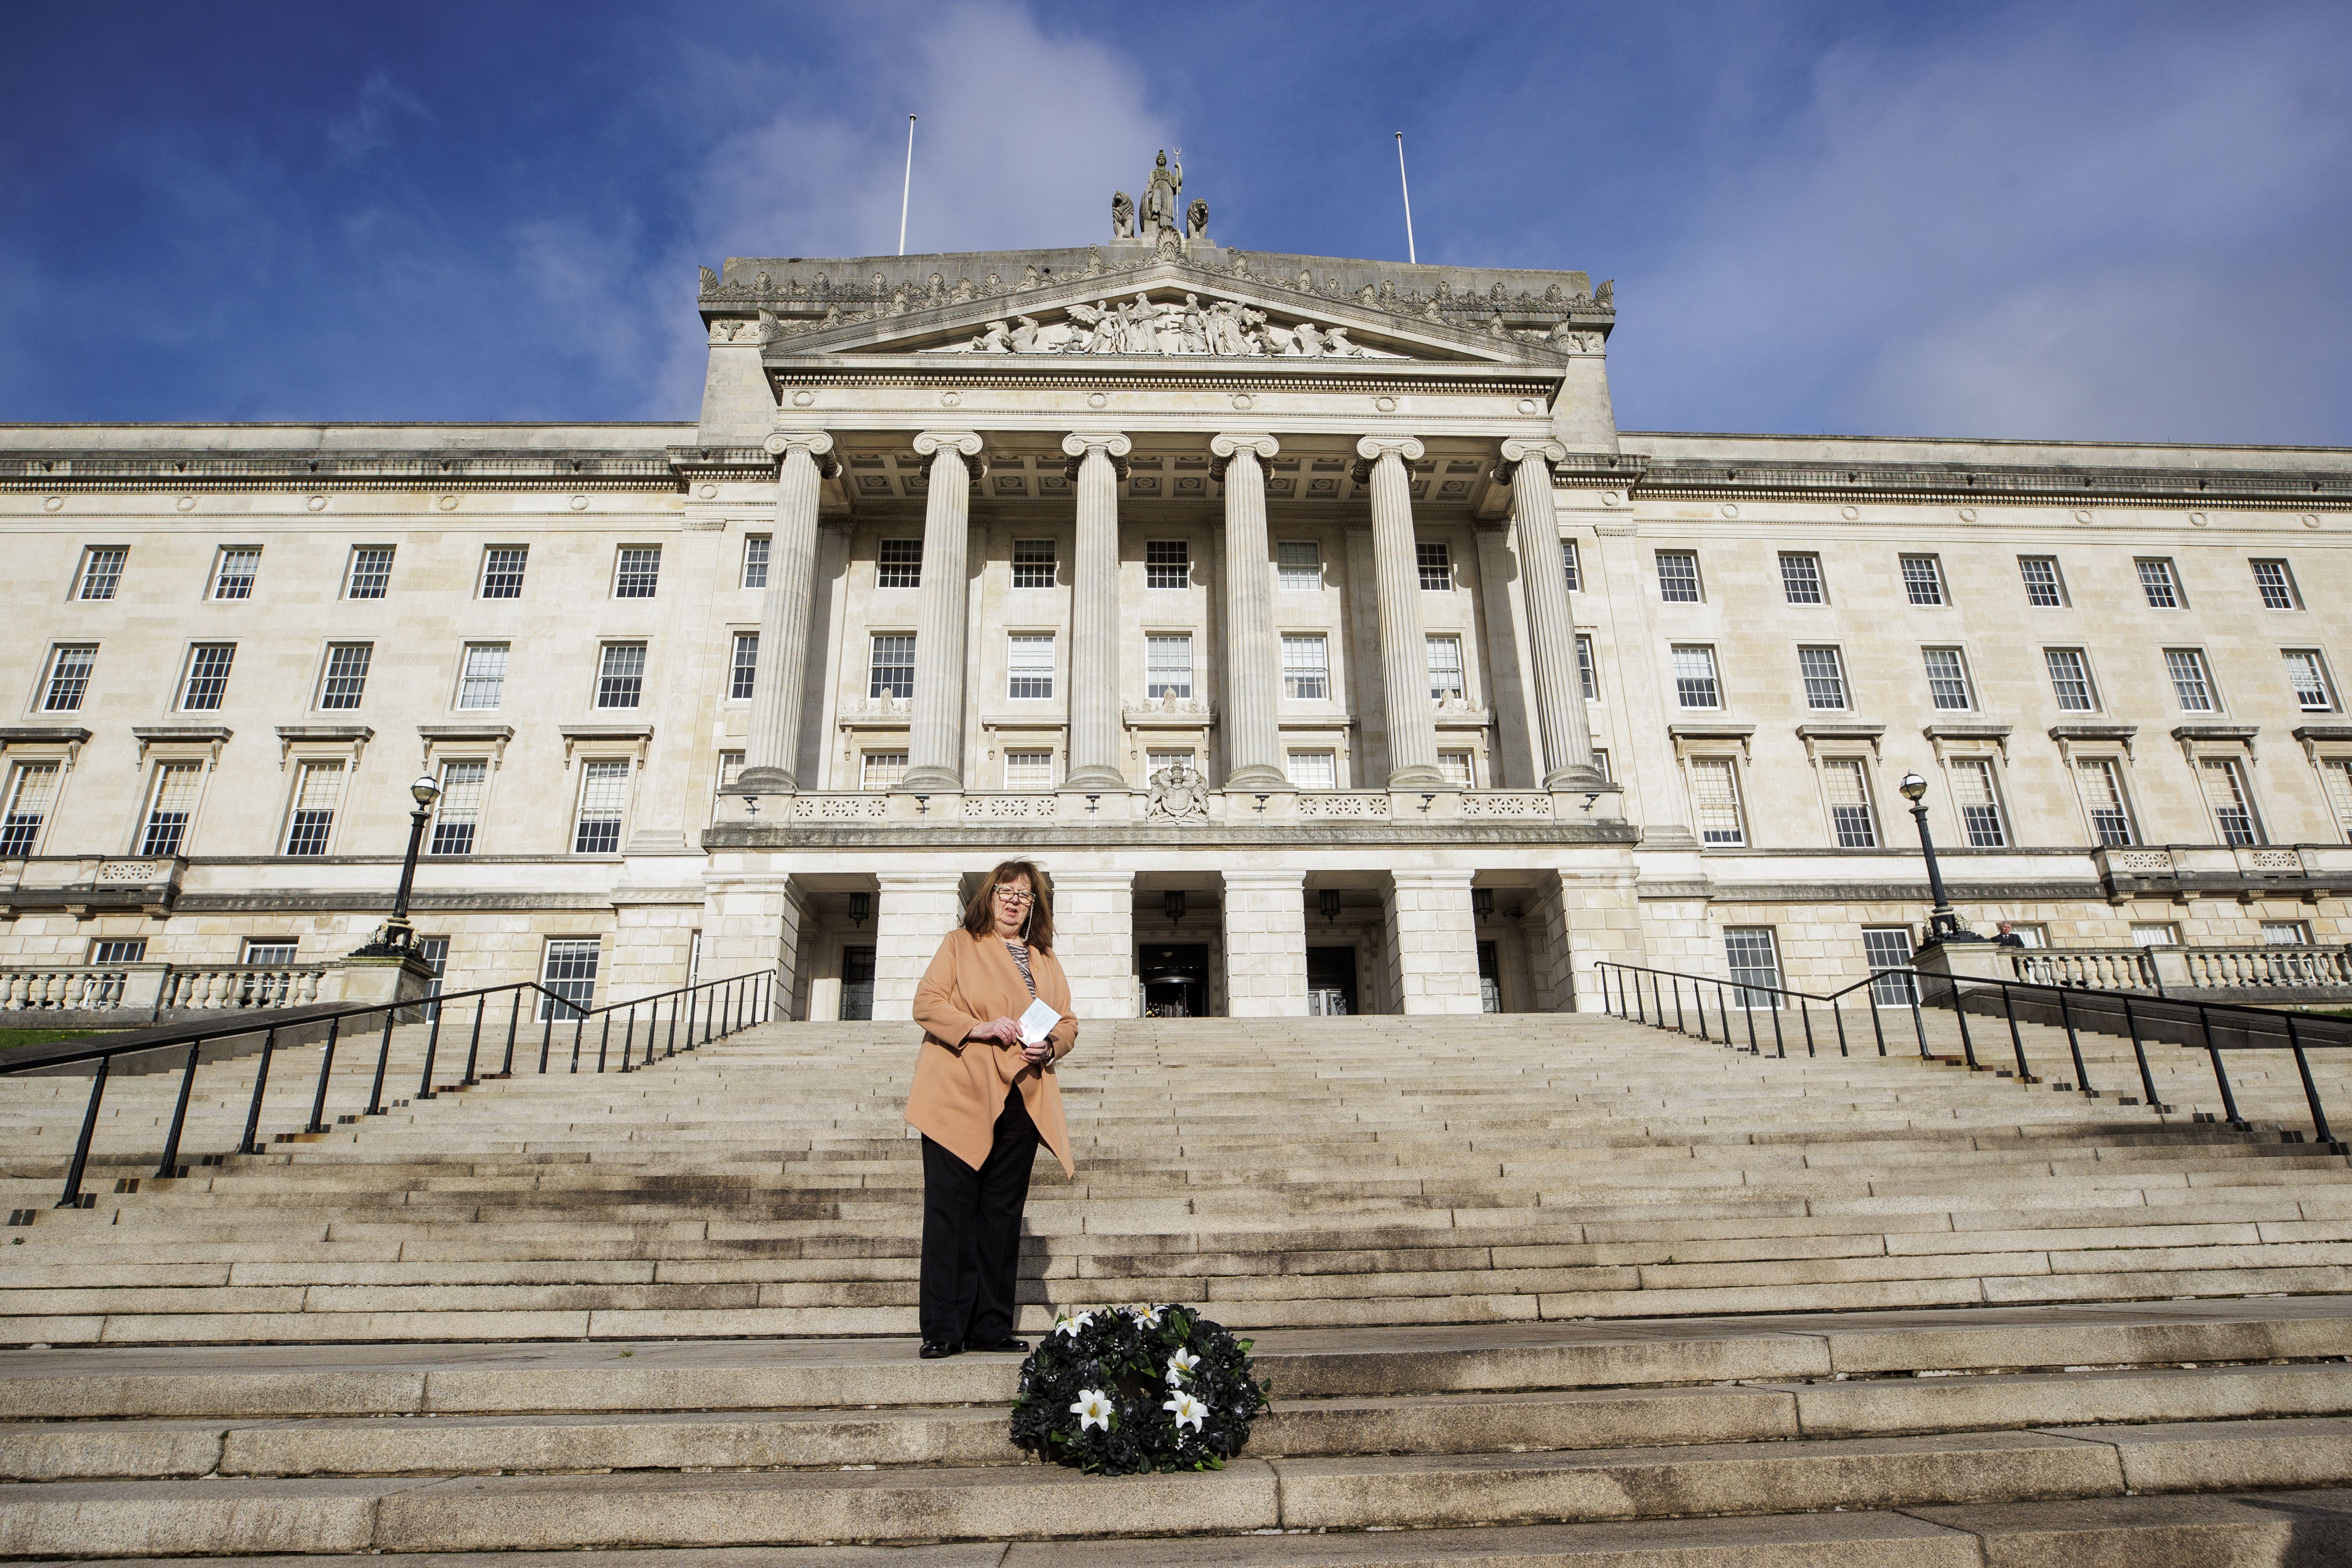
(1583, 775)
(1099, 779)
(767, 781)
(930, 781)
(1419, 776)
(1258, 777)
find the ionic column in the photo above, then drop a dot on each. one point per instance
(935, 749)
(1093, 612)
(782, 664)
(1404, 648)
(1252, 670)
(1551, 624)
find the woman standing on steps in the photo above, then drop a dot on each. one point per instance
(983, 1100)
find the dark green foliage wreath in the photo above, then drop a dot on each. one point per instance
(1097, 1392)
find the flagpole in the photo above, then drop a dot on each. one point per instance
(1410, 254)
(908, 188)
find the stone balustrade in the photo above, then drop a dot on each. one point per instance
(153, 991)
(902, 810)
(2171, 970)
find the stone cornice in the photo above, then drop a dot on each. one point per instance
(1960, 483)
(202, 469)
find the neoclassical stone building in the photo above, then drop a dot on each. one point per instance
(1309, 619)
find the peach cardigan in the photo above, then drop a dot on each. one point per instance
(959, 1085)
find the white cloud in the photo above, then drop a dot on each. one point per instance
(368, 128)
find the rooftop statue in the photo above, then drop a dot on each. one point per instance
(1160, 211)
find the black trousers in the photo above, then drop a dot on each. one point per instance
(972, 1233)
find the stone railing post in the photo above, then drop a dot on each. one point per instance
(1404, 647)
(1095, 462)
(1551, 624)
(1253, 668)
(935, 763)
(768, 761)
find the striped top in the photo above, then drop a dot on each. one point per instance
(1020, 951)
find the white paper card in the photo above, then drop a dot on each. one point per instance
(1037, 1022)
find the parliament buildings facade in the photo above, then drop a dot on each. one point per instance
(1309, 620)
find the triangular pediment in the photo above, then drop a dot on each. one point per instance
(1167, 307)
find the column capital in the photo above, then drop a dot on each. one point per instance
(1517, 451)
(1110, 442)
(1225, 445)
(930, 443)
(815, 443)
(1373, 448)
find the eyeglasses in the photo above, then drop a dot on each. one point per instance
(1012, 896)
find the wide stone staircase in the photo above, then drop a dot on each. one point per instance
(1530, 1288)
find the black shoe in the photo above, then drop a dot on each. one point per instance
(1006, 1343)
(933, 1350)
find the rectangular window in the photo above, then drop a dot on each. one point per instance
(69, 683)
(1800, 578)
(1157, 761)
(102, 570)
(2043, 586)
(743, 670)
(1715, 794)
(1695, 684)
(1029, 662)
(346, 670)
(604, 801)
(31, 791)
(2286, 933)
(890, 668)
(1824, 676)
(621, 675)
(482, 682)
(1168, 666)
(1444, 654)
(1570, 568)
(1980, 802)
(1850, 817)
(2070, 679)
(1749, 952)
(898, 563)
(1600, 761)
(1033, 565)
(1678, 576)
(568, 970)
(1313, 770)
(232, 575)
(755, 561)
(1456, 766)
(1436, 563)
(369, 573)
(1948, 679)
(1923, 578)
(119, 951)
(1305, 669)
(1588, 672)
(169, 808)
(2335, 779)
(637, 572)
(2157, 580)
(458, 813)
(1298, 566)
(2101, 778)
(2224, 779)
(1028, 771)
(503, 568)
(2155, 934)
(1167, 563)
(2306, 676)
(730, 769)
(1885, 948)
(881, 770)
(2271, 580)
(2190, 683)
(207, 681)
(316, 795)
(269, 950)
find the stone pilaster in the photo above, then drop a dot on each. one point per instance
(769, 750)
(915, 910)
(1404, 647)
(1094, 937)
(1433, 938)
(1265, 944)
(751, 921)
(1551, 624)
(1253, 666)
(935, 760)
(1093, 612)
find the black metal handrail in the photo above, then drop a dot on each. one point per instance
(2214, 1027)
(716, 1008)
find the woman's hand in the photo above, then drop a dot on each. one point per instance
(1039, 1053)
(1002, 1031)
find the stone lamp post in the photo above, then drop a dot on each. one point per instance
(1943, 924)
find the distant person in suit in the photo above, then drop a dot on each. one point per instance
(984, 1099)
(2006, 937)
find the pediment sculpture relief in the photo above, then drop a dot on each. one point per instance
(1143, 325)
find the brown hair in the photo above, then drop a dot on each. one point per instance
(979, 914)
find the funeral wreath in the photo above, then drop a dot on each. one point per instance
(1129, 1390)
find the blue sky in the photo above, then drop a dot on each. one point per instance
(2099, 222)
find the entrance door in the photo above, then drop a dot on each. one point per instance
(1331, 981)
(857, 983)
(1175, 979)
(1490, 978)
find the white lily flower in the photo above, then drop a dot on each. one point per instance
(1146, 1314)
(1071, 1326)
(1180, 1363)
(1188, 1410)
(1093, 1409)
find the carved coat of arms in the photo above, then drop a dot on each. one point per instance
(1179, 794)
